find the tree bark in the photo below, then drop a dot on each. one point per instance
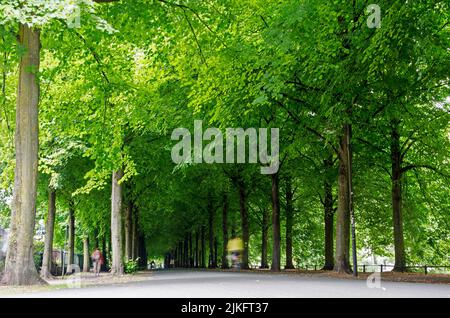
(190, 250)
(244, 223)
(276, 248)
(175, 257)
(224, 232)
(196, 263)
(180, 254)
(328, 216)
(19, 264)
(212, 261)
(216, 251)
(202, 254)
(341, 262)
(86, 255)
(265, 238)
(71, 243)
(134, 232)
(104, 266)
(396, 163)
(142, 252)
(128, 226)
(186, 252)
(49, 233)
(289, 223)
(116, 227)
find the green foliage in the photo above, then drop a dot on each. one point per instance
(131, 266)
(110, 100)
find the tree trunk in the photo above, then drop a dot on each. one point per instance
(328, 216)
(180, 254)
(216, 251)
(196, 264)
(175, 257)
(244, 223)
(71, 243)
(202, 255)
(128, 226)
(212, 261)
(180, 244)
(116, 226)
(396, 161)
(265, 238)
(49, 232)
(142, 252)
(86, 255)
(134, 232)
(289, 223)
(341, 262)
(186, 252)
(19, 264)
(276, 266)
(191, 251)
(104, 266)
(224, 232)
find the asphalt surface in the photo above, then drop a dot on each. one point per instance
(208, 284)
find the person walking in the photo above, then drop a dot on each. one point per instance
(235, 247)
(98, 260)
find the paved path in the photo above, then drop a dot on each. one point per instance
(207, 284)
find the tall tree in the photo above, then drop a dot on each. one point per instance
(19, 264)
(49, 233)
(116, 224)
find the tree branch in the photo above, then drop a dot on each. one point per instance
(411, 166)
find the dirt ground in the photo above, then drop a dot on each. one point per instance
(78, 280)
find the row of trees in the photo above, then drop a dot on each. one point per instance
(363, 117)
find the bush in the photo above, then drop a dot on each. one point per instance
(37, 257)
(131, 266)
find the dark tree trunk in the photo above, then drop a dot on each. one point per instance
(196, 263)
(265, 238)
(49, 232)
(276, 248)
(105, 254)
(116, 226)
(289, 223)
(175, 257)
(186, 251)
(71, 243)
(341, 261)
(328, 216)
(212, 261)
(396, 162)
(19, 264)
(128, 231)
(216, 251)
(142, 252)
(224, 232)
(202, 256)
(86, 255)
(134, 232)
(244, 223)
(190, 251)
(180, 253)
